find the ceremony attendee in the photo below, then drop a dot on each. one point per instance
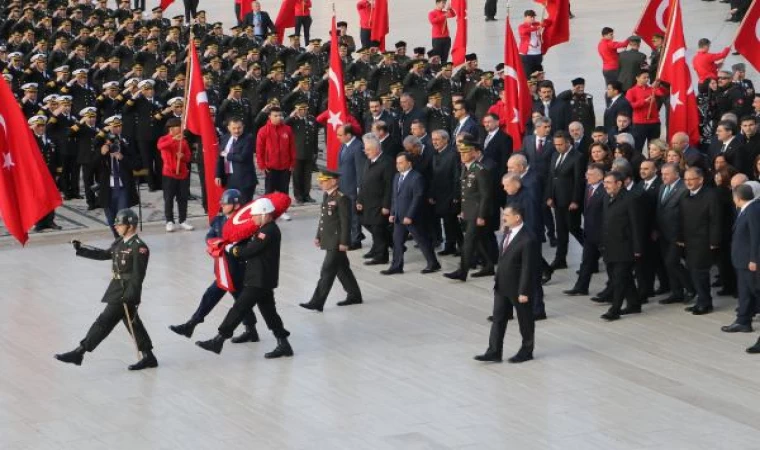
(306, 133)
(706, 64)
(175, 153)
(646, 101)
(530, 47)
(117, 189)
(234, 168)
(351, 161)
(438, 18)
(616, 104)
(650, 263)
(276, 153)
(608, 51)
(374, 200)
(553, 108)
(445, 191)
(631, 61)
(129, 264)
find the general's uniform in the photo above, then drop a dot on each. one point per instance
(477, 190)
(305, 131)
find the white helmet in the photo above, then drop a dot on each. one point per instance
(262, 206)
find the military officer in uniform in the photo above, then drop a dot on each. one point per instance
(129, 264)
(436, 116)
(305, 131)
(334, 236)
(49, 154)
(82, 135)
(581, 105)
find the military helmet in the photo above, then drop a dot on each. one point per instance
(126, 217)
(231, 197)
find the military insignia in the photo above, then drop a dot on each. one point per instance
(332, 203)
(261, 236)
(143, 250)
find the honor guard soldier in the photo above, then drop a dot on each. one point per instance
(129, 264)
(334, 236)
(581, 105)
(477, 209)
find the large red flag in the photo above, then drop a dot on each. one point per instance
(27, 190)
(336, 101)
(286, 18)
(165, 4)
(199, 122)
(684, 116)
(654, 20)
(516, 102)
(558, 30)
(459, 49)
(380, 24)
(747, 39)
(245, 9)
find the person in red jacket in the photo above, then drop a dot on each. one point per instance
(706, 64)
(646, 101)
(438, 18)
(303, 18)
(608, 50)
(276, 152)
(531, 52)
(365, 22)
(175, 153)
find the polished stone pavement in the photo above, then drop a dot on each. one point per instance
(394, 373)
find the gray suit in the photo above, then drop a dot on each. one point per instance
(351, 161)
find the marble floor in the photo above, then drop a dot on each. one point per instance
(394, 373)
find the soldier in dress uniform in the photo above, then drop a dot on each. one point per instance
(82, 94)
(305, 130)
(334, 236)
(482, 96)
(437, 117)
(129, 265)
(30, 105)
(145, 110)
(110, 102)
(415, 83)
(581, 105)
(82, 135)
(444, 83)
(234, 106)
(49, 154)
(387, 72)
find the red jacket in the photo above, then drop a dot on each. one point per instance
(525, 30)
(438, 19)
(365, 14)
(303, 8)
(169, 148)
(275, 147)
(705, 63)
(608, 50)
(645, 111)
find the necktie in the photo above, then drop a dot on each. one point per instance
(540, 146)
(506, 241)
(666, 192)
(559, 160)
(589, 192)
(546, 110)
(488, 140)
(723, 149)
(228, 149)
(400, 180)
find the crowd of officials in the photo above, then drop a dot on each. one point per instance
(423, 157)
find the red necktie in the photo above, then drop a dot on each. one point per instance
(506, 241)
(540, 146)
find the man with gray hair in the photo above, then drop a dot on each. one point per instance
(374, 200)
(444, 192)
(627, 138)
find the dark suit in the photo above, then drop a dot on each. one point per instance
(444, 191)
(351, 161)
(582, 146)
(391, 146)
(559, 113)
(240, 158)
(731, 152)
(374, 195)
(621, 105)
(516, 276)
(539, 162)
(667, 225)
(408, 196)
(650, 262)
(700, 232)
(533, 220)
(406, 118)
(631, 62)
(621, 240)
(745, 249)
(267, 26)
(469, 126)
(498, 150)
(564, 186)
(593, 206)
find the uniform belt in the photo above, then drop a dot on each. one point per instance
(121, 276)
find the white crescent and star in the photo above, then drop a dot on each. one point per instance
(335, 121)
(659, 15)
(7, 157)
(243, 215)
(757, 30)
(201, 97)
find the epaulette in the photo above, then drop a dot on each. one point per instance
(75, 127)
(28, 71)
(64, 89)
(52, 120)
(101, 134)
(51, 84)
(99, 98)
(130, 103)
(119, 97)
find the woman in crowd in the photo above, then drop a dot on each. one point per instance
(601, 154)
(656, 152)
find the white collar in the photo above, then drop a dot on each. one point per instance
(515, 230)
(353, 138)
(746, 204)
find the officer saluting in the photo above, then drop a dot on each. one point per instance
(334, 236)
(129, 262)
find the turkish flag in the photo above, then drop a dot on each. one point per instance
(684, 116)
(198, 121)
(459, 49)
(245, 9)
(747, 39)
(27, 190)
(514, 107)
(558, 30)
(336, 101)
(286, 18)
(653, 20)
(379, 22)
(165, 4)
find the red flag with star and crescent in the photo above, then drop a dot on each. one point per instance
(27, 190)
(380, 22)
(653, 20)
(336, 100)
(747, 38)
(557, 30)
(198, 121)
(684, 115)
(514, 107)
(459, 49)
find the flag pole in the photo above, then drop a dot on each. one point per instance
(184, 102)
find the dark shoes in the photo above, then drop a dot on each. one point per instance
(213, 345)
(350, 301)
(485, 272)
(599, 299)
(391, 271)
(672, 299)
(431, 269)
(556, 265)
(699, 310)
(456, 275)
(575, 292)
(311, 306)
(539, 316)
(546, 277)
(736, 328)
(376, 262)
(488, 357)
(283, 349)
(186, 329)
(755, 348)
(148, 361)
(355, 246)
(609, 317)
(73, 357)
(627, 311)
(521, 356)
(249, 335)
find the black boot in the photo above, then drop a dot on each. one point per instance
(213, 345)
(148, 361)
(283, 349)
(249, 335)
(73, 357)
(186, 329)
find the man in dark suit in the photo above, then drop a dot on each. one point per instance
(408, 194)
(727, 143)
(616, 104)
(621, 245)
(514, 286)
(631, 61)
(650, 262)
(378, 113)
(745, 250)
(234, 167)
(409, 113)
(564, 193)
(693, 157)
(700, 236)
(351, 161)
(260, 21)
(538, 148)
(667, 226)
(549, 106)
(497, 145)
(388, 142)
(464, 122)
(580, 141)
(445, 190)
(374, 200)
(593, 205)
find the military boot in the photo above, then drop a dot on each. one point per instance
(148, 361)
(213, 345)
(283, 349)
(186, 329)
(73, 357)
(249, 335)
